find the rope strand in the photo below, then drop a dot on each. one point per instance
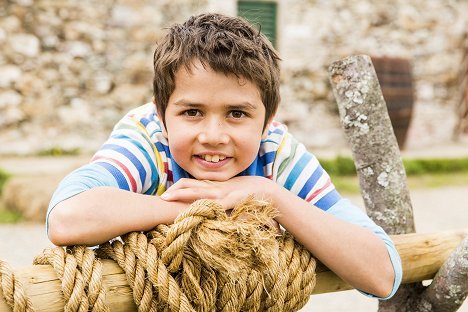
(205, 261)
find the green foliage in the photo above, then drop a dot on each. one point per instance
(344, 166)
(340, 166)
(435, 165)
(3, 177)
(350, 184)
(346, 184)
(58, 151)
(7, 216)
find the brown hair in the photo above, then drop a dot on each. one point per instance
(229, 45)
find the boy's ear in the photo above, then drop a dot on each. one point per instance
(163, 126)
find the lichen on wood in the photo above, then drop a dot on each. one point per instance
(375, 150)
(449, 288)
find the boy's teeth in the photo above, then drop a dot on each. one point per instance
(213, 158)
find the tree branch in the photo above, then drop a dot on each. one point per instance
(368, 128)
(449, 287)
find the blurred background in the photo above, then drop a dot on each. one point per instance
(69, 70)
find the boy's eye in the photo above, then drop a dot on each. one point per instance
(191, 112)
(237, 114)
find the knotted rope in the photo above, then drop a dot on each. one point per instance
(205, 261)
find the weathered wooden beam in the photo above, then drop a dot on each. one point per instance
(422, 256)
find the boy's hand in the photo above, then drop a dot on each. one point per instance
(227, 193)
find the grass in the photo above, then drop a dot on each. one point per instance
(421, 173)
(3, 177)
(350, 184)
(57, 151)
(344, 166)
(7, 216)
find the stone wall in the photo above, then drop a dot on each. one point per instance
(70, 69)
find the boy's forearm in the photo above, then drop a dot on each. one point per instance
(102, 213)
(354, 253)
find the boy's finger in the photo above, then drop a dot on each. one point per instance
(186, 194)
(190, 183)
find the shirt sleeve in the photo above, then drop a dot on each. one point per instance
(78, 181)
(348, 212)
(127, 160)
(300, 172)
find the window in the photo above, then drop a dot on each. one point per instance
(262, 14)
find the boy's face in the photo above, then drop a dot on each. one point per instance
(214, 123)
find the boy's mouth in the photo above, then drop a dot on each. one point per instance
(212, 158)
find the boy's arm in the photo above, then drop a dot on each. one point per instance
(89, 208)
(353, 252)
(102, 213)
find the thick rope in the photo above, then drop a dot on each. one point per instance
(12, 290)
(205, 261)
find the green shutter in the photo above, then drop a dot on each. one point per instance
(261, 14)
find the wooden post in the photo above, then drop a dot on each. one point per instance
(421, 254)
(378, 162)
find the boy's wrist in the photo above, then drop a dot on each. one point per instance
(165, 212)
(270, 191)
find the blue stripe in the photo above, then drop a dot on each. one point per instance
(276, 131)
(118, 176)
(154, 171)
(177, 172)
(161, 147)
(260, 167)
(254, 169)
(268, 158)
(328, 200)
(311, 182)
(135, 161)
(145, 121)
(297, 170)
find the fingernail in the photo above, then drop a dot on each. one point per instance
(165, 196)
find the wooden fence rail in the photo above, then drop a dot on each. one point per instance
(422, 255)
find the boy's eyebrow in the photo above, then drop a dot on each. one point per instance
(237, 106)
(243, 106)
(186, 103)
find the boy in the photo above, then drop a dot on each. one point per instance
(209, 133)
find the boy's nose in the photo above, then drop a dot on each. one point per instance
(213, 133)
